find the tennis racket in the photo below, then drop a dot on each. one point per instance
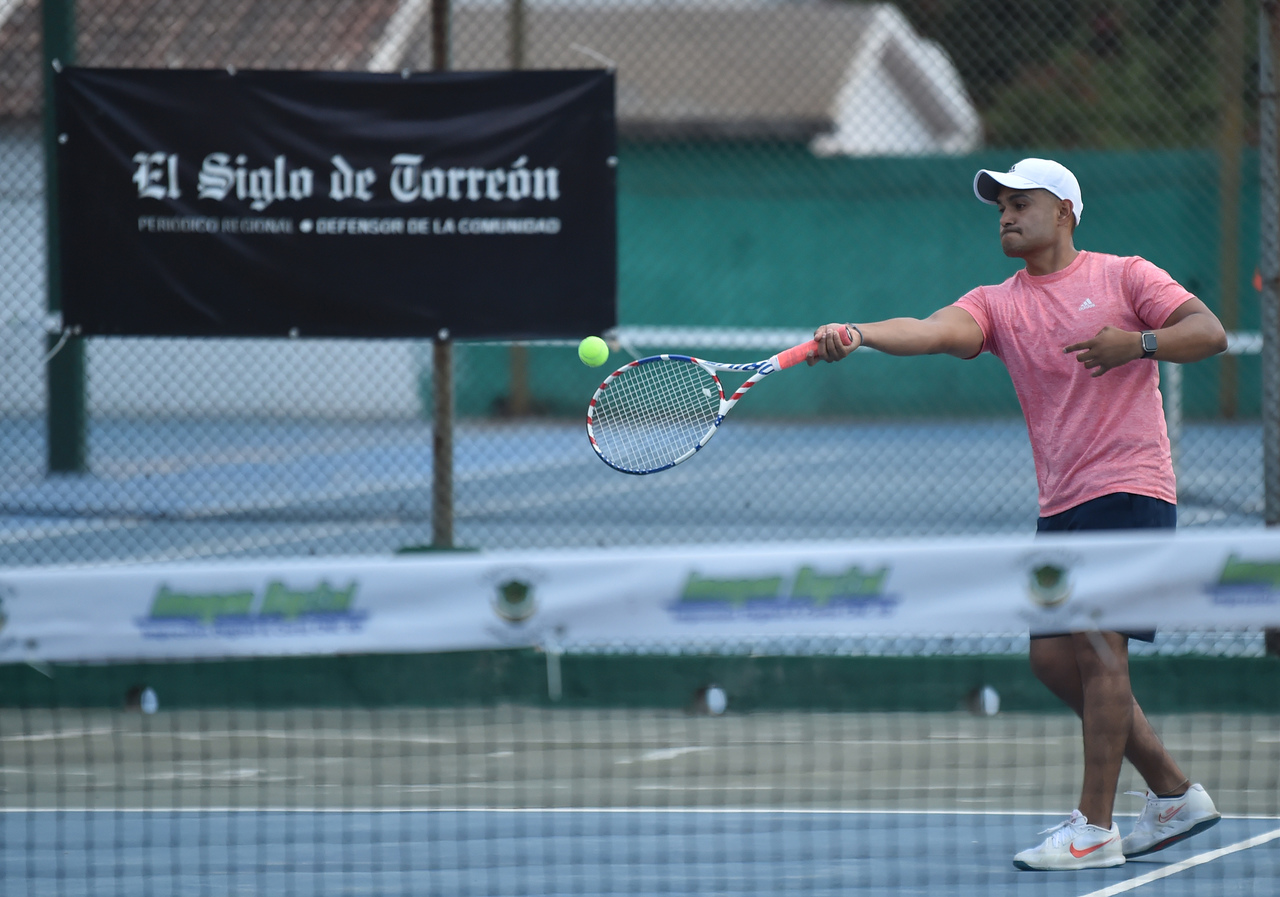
(655, 412)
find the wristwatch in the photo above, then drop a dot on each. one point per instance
(1148, 343)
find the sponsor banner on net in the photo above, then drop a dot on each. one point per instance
(531, 598)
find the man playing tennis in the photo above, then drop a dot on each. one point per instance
(1080, 333)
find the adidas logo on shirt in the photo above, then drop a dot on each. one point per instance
(1087, 303)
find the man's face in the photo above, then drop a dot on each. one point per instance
(1029, 220)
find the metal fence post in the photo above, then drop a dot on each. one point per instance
(442, 353)
(1269, 257)
(64, 375)
(1231, 53)
(442, 442)
(518, 402)
(1269, 268)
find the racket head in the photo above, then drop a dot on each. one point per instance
(653, 413)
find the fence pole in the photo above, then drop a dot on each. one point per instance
(442, 442)
(1231, 53)
(64, 374)
(1269, 267)
(440, 24)
(1269, 255)
(518, 402)
(442, 352)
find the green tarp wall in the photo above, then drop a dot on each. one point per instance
(740, 235)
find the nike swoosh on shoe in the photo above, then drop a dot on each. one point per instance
(1081, 854)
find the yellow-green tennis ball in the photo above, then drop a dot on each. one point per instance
(593, 351)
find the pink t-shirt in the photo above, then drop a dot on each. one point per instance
(1090, 436)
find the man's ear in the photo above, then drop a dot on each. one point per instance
(1065, 212)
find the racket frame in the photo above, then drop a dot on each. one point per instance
(758, 370)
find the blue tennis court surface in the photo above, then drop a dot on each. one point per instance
(512, 800)
(590, 852)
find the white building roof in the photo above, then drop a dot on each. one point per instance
(854, 78)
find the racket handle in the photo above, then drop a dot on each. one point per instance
(795, 355)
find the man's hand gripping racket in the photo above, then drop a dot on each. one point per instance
(655, 412)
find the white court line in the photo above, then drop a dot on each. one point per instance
(662, 810)
(51, 528)
(1184, 865)
(672, 753)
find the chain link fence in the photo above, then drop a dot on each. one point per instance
(781, 164)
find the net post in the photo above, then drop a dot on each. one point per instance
(64, 374)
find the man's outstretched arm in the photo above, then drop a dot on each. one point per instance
(948, 331)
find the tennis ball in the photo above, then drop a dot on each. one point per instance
(593, 351)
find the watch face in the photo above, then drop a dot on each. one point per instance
(1148, 342)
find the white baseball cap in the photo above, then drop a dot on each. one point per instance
(1031, 174)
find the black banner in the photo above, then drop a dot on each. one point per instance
(218, 203)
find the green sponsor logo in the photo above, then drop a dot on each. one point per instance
(1250, 573)
(203, 606)
(854, 591)
(278, 601)
(290, 604)
(733, 592)
(855, 582)
(1247, 582)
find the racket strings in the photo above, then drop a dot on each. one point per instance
(655, 413)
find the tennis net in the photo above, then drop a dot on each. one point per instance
(824, 774)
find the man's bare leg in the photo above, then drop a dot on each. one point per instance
(1089, 672)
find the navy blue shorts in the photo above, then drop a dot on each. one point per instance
(1120, 510)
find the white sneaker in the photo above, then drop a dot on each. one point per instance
(1168, 820)
(1074, 844)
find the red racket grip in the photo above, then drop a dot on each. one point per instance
(797, 354)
